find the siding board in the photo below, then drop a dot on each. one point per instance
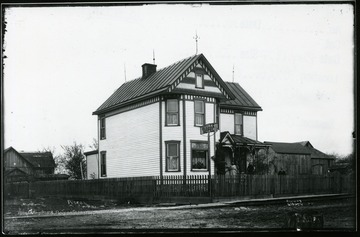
(132, 135)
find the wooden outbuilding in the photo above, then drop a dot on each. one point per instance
(292, 158)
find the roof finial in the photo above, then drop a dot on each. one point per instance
(196, 40)
(153, 56)
(233, 72)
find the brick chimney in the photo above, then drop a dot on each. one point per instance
(148, 69)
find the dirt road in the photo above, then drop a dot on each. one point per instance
(338, 214)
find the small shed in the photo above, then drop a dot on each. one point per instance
(293, 158)
(92, 164)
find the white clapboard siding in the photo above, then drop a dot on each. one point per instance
(92, 168)
(193, 133)
(227, 123)
(250, 127)
(132, 143)
(172, 133)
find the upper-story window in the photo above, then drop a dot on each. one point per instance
(199, 83)
(238, 124)
(172, 112)
(199, 113)
(102, 128)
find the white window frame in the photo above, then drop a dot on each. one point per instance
(168, 158)
(239, 124)
(177, 113)
(199, 85)
(199, 113)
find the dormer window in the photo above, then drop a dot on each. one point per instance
(199, 82)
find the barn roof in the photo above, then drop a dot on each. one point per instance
(161, 81)
(242, 99)
(316, 154)
(288, 148)
(39, 159)
(18, 154)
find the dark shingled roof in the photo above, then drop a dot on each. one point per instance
(316, 154)
(288, 148)
(39, 159)
(157, 83)
(245, 141)
(243, 100)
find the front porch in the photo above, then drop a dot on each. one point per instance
(236, 154)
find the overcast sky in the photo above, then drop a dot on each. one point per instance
(296, 61)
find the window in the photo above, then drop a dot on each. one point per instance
(199, 155)
(102, 128)
(238, 124)
(217, 112)
(199, 81)
(103, 163)
(199, 113)
(172, 112)
(172, 155)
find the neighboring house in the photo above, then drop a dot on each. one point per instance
(150, 126)
(23, 165)
(92, 164)
(13, 160)
(293, 158)
(320, 162)
(43, 162)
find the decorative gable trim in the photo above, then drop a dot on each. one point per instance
(214, 80)
(251, 113)
(231, 111)
(227, 137)
(199, 61)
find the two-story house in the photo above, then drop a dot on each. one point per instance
(150, 126)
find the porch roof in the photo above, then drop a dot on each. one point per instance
(241, 140)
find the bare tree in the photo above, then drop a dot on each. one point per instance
(95, 144)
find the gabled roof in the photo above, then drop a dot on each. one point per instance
(288, 148)
(13, 149)
(306, 143)
(162, 81)
(316, 154)
(242, 99)
(39, 159)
